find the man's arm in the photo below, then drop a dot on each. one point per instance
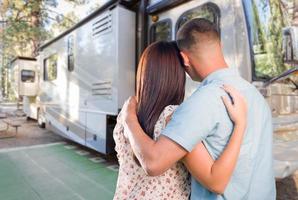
(215, 175)
(155, 157)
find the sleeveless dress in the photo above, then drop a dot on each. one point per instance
(134, 184)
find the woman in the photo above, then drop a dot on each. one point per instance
(160, 88)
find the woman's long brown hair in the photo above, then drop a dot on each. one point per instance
(160, 82)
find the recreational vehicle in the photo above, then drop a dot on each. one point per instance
(24, 81)
(86, 75)
(87, 72)
(24, 77)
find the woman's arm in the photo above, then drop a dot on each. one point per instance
(215, 175)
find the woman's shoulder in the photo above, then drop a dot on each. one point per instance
(163, 119)
(168, 111)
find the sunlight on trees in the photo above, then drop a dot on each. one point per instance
(25, 25)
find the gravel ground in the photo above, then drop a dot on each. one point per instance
(28, 134)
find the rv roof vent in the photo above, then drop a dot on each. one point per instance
(103, 88)
(102, 24)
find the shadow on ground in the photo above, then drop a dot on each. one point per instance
(287, 188)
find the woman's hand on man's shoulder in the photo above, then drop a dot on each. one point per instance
(129, 110)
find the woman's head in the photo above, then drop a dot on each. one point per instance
(160, 82)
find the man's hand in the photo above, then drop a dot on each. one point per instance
(236, 106)
(129, 110)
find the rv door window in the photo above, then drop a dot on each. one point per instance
(70, 53)
(265, 22)
(161, 31)
(50, 68)
(208, 11)
(27, 76)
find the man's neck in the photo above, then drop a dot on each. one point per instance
(211, 69)
(207, 63)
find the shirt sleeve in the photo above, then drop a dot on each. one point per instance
(195, 119)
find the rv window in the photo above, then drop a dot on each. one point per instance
(50, 68)
(161, 31)
(265, 22)
(70, 53)
(209, 11)
(27, 76)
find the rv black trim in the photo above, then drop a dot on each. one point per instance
(251, 53)
(111, 122)
(153, 26)
(212, 6)
(164, 5)
(102, 19)
(141, 30)
(26, 78)
(281, 76)
(102, 30)
(22, 58)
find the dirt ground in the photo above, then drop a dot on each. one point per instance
(30, 134)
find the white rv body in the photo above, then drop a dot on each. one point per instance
(25, 82)
(82, 103)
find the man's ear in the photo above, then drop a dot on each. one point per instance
(185, 58)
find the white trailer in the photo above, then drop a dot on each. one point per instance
(24, 81)
(24, 76)
(86, 75)
(88, 71)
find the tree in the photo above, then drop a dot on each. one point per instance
(295, 14)
(26, 23)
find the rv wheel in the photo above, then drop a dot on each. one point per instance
(40, 123)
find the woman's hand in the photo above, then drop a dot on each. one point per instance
(236, 106)
(129, 110)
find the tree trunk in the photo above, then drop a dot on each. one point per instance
(295, 13)
(35, 23)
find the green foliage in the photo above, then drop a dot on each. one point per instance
(269, 18)
(65, 22)
(26, 27)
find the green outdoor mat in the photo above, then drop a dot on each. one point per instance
(53, 172)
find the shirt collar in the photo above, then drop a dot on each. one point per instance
(219, 74)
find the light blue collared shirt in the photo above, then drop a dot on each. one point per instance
(203, 117)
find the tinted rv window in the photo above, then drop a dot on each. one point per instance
(161, 31)
(208, 11)
(27, 76)
(70, 53)
(265, 22)
(50, 68)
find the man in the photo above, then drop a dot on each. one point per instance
(202, 117)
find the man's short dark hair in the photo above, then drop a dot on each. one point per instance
(195, 31)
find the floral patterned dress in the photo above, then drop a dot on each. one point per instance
(134, 184)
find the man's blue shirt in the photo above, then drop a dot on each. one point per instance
(203, 118)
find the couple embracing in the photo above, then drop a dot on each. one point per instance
(217, 144)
